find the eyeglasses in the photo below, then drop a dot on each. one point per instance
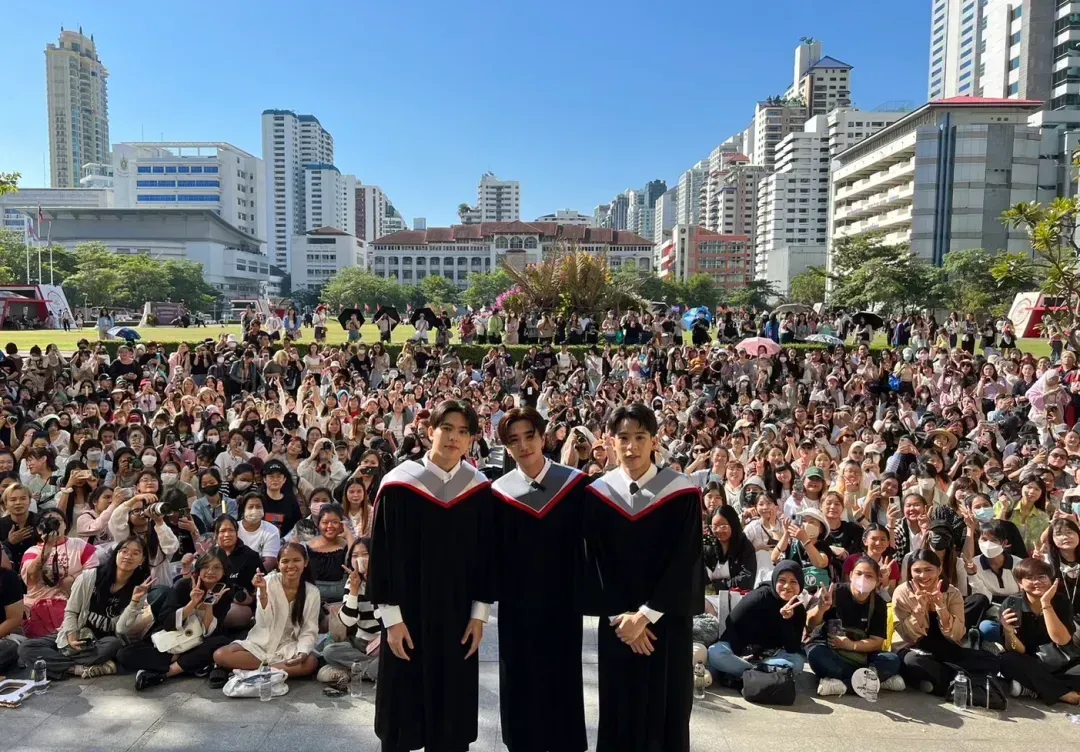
(1037, 579)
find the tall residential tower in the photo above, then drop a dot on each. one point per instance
(78, 101)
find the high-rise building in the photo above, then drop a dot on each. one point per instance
(617, 214)
(498, 200)
(370, 210)
(392, 220)
(664, 215)
(939, 179)
(774, 119)
(290, 142)
(822, 83)
(78, 103)
(602, 215)
(688, 209)
(192, 175)
(694, 250)
(568, 217)
(330, 198)
(320, 254)
(638, 213)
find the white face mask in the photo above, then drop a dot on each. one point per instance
(169, 479)
(991, 549)
(241, 485)
(253, 515)
(863, 585)
(149, 461)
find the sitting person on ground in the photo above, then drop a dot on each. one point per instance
(362, 631)
(204, 597)
(326, 554)
(135, 517)
(243, 564)
(1064, 558)
(853, 634)
(106, 604)
(260, 536)
(876, 546)
(48, 571)
(11, 613)
(801, 543)
(766, 625)
(286, 620)
(1037, 624)
(993, 576)
(930, 623)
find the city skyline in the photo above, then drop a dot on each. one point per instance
(428, 163)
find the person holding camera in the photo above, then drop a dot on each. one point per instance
(203, 597)
(105, 604)
(243, 563)
(48, 570)
(322, 468)
(143, 516)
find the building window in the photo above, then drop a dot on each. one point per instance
(1014, 88)
(516, 243)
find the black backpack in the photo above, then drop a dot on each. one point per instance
(984, 692)
(769, 685)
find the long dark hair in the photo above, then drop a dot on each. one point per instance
(738, 537)
(106, 573)
(1059, 525)
(307, 576)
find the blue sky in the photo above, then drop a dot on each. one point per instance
(577, 100)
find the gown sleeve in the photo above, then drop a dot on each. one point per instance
(681, 587)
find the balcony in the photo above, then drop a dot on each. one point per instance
(899, 173)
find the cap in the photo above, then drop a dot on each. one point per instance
(754, 480)
(815, 514)
(275, 466)
(814, 472)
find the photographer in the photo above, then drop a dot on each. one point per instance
(134, 517)
(48, 570)
(322, 468)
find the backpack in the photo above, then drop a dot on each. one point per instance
(769, 685)
(984, 691)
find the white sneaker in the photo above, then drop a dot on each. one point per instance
(866, 684)
(926, 686)
(332, 675)
(831, 688)
(1019, 690)
(894, 684)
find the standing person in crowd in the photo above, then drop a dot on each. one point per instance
(429, 675)
(538, 529)
(644, 529)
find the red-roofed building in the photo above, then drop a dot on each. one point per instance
(694, 250)
(455, 252)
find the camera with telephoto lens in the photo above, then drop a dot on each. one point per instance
(49, 526)
(159, 509)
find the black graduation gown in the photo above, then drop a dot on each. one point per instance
(540, 559)
(647, 551)
(431, 556)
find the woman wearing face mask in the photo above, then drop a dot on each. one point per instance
(853, 638)
(1038, 635)
(802, 543)
(286, 621)
(212, 502)
(768, 622)
(280, 502)
(206, 596)
(326, 554)
(930, 623)
(134, 517)
(241, 480)
(357, 616)
(256, 533)
(1029, 515)
(171, 479)
(992, 575)
(110, 601)
(48, 569)
(308, 528)
(875, 541)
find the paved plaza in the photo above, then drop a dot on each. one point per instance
(185, 714)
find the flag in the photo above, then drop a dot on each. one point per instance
(30, 230)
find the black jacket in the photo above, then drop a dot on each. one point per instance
(755, 625)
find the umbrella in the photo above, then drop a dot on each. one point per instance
(692, 314)
(751, 346)
(825, 339)
(391, 313)
(659, 307)
(348, 313)
(868, 317)
(124, 332)
(426, 313)
(793, 308)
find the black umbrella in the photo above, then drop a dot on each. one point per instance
(868, 317)
(347, 314)
(426, 313)
(389, 312)
(659, 308)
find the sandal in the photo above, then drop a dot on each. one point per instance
(218, 678)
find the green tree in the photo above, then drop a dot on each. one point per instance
(485, 287)
(808, 287)
(757, 293)
(867, 272)
(439, 292)
(968, 283)
(647, 285)
(186, 282)
(9, 182)
(702, 290)
(356, 287)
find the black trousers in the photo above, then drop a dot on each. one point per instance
(918, 667)
(9, 654)
(1033, 674)
(975, 607)
(143, 655)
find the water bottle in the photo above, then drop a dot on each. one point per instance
(266, 689)
(356, 680)
(39, 674)
(960, 690)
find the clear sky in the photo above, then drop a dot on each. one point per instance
(577, 100)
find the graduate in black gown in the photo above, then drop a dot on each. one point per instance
(538, 508)
(432, 578)
(643, 528)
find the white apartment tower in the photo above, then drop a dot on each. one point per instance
(78, 104)
(688, 208)
(330, 198)
(498, 200)
(664, 215)
(822, 83)
(290, 142)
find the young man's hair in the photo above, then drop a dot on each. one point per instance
(528, 414)
(638, 413)
(462, 408)
(1030, 568)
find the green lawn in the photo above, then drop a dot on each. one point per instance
(66, 341)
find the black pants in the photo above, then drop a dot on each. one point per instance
(1033, 674)
(9, 654)
(143, 655)
(975, 607)
(918, 667)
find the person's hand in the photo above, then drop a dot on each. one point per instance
(74, 642)
(924, 522)
(968, 517)
(398, 638)
(19, 534)
(840, 642)
(796, 532)
(354, 580)
(885, 569)
(188, 524)
(644, 644)
(629, 627)
(839, 553)
(297, 659)
(922, 603)
(197, 592)
(788, 609)
(825, 598)
(1047, 598)
(140, 591)
(259, 582)
(1010, 621)
(474, 634)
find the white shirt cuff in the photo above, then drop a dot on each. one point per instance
(651, 614)
(390, 615)
(481, 611)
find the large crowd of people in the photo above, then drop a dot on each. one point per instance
(884, 517)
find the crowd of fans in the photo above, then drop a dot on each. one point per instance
(886, 517)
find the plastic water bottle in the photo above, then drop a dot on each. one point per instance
(39, 674)
(356, 680)
(960, 690)
(266, 689)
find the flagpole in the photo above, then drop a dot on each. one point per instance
(26, 230)
(48, 242)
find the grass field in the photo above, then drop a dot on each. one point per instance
(66, 341)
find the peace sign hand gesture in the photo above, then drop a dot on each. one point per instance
(140, 591)
(197, 592)
(788, 609)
